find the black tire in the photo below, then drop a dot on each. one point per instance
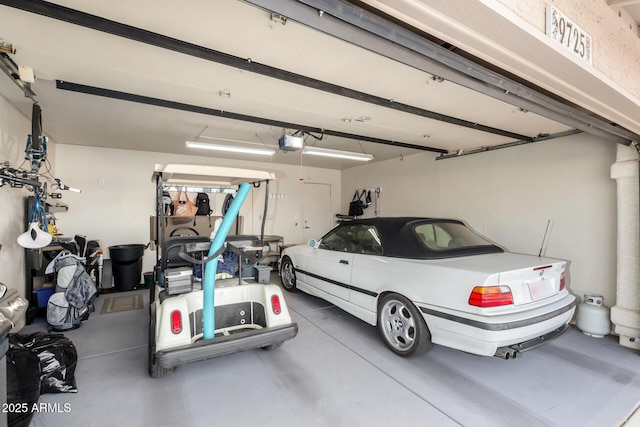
(191, 230)
(402, 327)
(152, 294)
(272, 346)
(155, 371)
(288, 275)
(36, 128)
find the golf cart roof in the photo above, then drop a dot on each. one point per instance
(204, 175)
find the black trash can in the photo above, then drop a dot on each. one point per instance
(126, 265)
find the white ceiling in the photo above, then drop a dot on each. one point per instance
(57, 50)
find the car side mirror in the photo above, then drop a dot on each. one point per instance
(314, 243)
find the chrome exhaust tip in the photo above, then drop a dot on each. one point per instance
(506, 353)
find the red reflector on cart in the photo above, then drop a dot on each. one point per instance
(275, 304)
(176, 321)
(542, 268)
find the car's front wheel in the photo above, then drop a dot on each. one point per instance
(402, 326)
(288, 274)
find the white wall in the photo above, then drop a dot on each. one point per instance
(509, 195)
(118, 212)
(14, 128)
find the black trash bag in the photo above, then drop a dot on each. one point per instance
(58, 359)
(23, 385)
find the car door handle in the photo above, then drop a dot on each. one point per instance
(344, 261)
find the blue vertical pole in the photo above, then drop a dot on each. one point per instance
(209, 282)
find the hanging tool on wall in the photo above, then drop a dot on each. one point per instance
(378, 211)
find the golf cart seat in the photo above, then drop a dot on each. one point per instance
(189, 244)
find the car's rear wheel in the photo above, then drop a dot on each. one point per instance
(402, 326)
(288, 274)
(155, 371)
(272, 346)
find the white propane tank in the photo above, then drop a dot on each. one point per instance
(593, 317)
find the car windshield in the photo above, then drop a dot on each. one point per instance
(358, 238)
(442, 236)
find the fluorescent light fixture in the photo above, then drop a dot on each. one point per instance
(230, 148)
(326, 152)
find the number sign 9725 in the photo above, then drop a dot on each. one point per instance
(564, 31)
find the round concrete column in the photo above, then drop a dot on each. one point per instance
(625, 315)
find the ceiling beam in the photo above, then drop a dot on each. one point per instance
(377, 34)
(97, 23)
(157, 102)
(11, 69)
(478, 150)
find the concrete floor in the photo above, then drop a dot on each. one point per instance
(338, 372)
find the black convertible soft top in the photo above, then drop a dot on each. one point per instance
(400, 240)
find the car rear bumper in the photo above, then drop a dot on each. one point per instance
(483, 336)
(241, 341)
(541, 340)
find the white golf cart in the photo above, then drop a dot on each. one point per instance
(192, 320)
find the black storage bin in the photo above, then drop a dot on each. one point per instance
(126, 265)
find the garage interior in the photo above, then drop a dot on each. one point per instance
(466, 111)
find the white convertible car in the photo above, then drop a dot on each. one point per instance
(424, 281)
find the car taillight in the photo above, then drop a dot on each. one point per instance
(275, 304)
(490, 296)
(563, 281)
(176, 321)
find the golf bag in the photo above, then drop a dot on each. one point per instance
(71, 302)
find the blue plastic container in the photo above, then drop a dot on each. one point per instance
(42, 295)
